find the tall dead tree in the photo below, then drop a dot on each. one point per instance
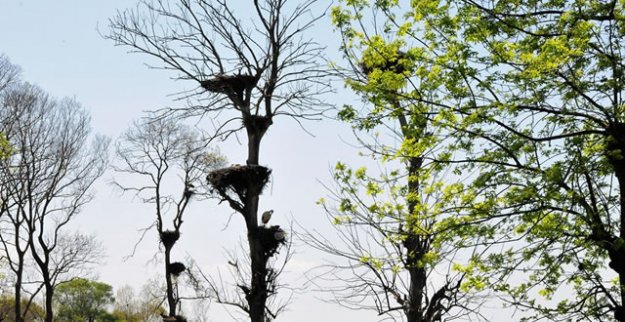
(251, 65)
(167, 162)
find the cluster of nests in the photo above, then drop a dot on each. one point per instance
(239, 179)
(229, 84)
(271, 238)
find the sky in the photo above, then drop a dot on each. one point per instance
(60, 47)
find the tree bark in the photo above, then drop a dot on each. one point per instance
(415, 249)
(48, 303)
(171, 299)
(18, 293)
(257, 298)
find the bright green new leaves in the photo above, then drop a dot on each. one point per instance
(398, 222)
(5, 147)
(542, 116)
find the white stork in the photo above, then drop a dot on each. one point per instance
(266, 216)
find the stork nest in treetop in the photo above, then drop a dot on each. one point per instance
(271, 238)
(229, 84)
(169, 238)
(392, 64)
(239, 179)
(176, 268)
(257, 123)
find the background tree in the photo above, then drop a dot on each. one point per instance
(9, 75)
(157, 153)
(250, 72)
(81, 299)
(7, 310)
(142, 307)
(44, 184)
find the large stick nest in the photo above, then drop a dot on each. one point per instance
(229, 84)
(169, 238)
(176, 268)
(257, 123)
(271, 238)
(393, 64)
(239, 179)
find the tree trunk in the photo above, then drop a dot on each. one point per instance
(171, 299)
(416, 247)
(258, 293)
(617, 255)
(616, 252)
(257, 298)
(18, 293)
(48, 304)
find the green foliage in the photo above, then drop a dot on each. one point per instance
(5, 147)
(81, 299)
(412, 206)
(532, 94)
(538, 85)
(7, 310)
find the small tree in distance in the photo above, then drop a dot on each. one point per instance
(167, 162)
(81, 299)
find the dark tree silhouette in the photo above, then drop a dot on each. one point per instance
(251, 67)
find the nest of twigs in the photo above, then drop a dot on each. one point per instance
(175, 318)
(229, 84)
(257, 123)
(240, 179)
(271, 238)
(392, 64)
(169, 238)
(176, 268)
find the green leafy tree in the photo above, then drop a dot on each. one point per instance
(395, 226)
(539, 86)
(81, 299)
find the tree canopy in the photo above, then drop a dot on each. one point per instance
(82, 299)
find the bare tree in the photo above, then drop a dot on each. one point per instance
(142, 307)
(155, 153)
(251, 67)
(44, 184)
(9, 73)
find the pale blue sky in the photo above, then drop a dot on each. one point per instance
(59, 47)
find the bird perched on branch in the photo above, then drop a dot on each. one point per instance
(266, 216)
